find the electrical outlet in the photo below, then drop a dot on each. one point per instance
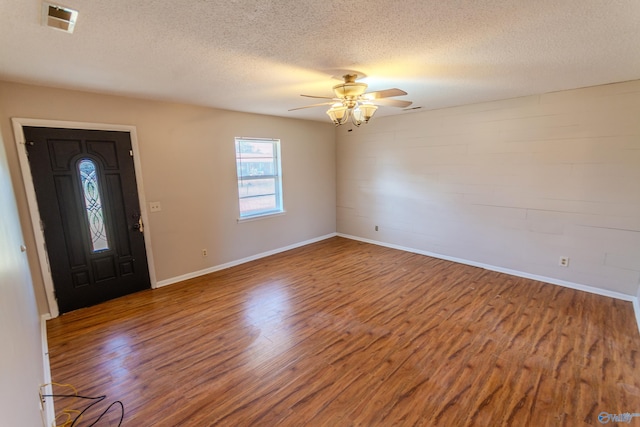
(564, 261)
(376, 228)
(41, 395)
(204, 253)
(155, 206)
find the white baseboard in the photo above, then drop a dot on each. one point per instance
(48, 413)
(215, 268)
(566, 284)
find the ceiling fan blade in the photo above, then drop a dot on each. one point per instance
(386, 93)
(320, 97)
(312, 105)
(392, 102)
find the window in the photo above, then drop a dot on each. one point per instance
(259, 177)
(93, 205)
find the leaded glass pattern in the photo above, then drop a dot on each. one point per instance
(93, 205)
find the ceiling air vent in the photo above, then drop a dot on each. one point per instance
(59, 17)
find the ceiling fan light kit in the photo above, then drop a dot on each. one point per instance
(338, 113)
(352, 101)
(361, 113)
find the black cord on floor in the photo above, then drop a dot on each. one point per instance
(96, 400)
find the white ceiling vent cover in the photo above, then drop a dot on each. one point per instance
(59, 17)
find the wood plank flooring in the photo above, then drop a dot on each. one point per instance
(343, 333)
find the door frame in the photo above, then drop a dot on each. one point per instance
(18, 124)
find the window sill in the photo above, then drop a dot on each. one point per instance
(261, 216)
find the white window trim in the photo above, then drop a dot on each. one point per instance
(261, 216)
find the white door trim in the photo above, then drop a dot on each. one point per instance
(18, 132)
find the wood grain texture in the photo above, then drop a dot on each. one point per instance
(343, 333)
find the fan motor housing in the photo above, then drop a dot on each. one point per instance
(350, 89)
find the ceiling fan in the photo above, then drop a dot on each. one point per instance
(352, 100)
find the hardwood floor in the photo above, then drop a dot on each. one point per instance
(342, 333)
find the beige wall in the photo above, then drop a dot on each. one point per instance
(21, 358)
(513, 184)
(188, 165)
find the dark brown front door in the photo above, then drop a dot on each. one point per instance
(87, 197)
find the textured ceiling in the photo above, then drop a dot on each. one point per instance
(258, 56)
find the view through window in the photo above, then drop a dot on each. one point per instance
(259, 177)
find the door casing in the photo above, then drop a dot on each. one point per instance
(43, 260)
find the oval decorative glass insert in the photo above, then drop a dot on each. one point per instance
(93, 205)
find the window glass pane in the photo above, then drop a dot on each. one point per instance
(93, 205)
(257, 205)
(256, 187)
(259, 181)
